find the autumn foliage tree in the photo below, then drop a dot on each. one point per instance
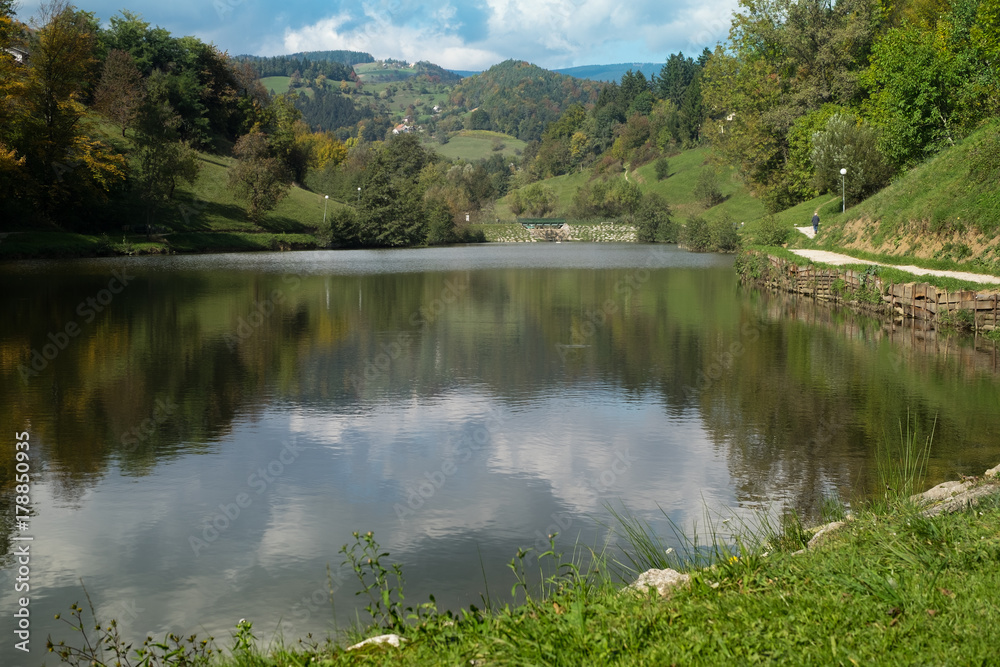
(258, 179)
(120, 93)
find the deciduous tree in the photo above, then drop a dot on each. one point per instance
(120, 93)
(258, 178)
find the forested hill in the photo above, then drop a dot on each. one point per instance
(434, 73)
(349, 58)
(519, 98)
(305, 67)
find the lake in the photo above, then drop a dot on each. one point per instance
(206, 432)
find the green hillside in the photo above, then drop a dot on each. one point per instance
(945, 209)
(520, 99)
(473, 145)
(202, 217)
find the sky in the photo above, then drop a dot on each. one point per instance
(457, 35)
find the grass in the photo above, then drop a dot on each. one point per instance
(888, 274)
(202, 217)
(474, 145)
(891, 586)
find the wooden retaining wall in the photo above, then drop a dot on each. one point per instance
(866, 291)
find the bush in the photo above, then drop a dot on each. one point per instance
(770, 231)
(723, 235)
(696, 236)
(706, 190)
(662, 167)
(846, 143)
(652, 221)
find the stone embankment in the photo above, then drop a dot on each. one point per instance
(600, 232)
(865, 290)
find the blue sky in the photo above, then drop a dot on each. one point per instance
(457, 35)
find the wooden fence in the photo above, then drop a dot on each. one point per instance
(866, 291)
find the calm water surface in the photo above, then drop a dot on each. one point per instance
(207, 431)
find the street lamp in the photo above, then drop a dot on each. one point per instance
(359, 195)
(326, 200)
(843, 195)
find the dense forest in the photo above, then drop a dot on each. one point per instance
(109, 118)
(520, 99)
(295, 66)
(800, 90)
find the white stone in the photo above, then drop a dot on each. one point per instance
(942, 491)
(992, 472)
(662, 580)
(392, 640)
(823, 531)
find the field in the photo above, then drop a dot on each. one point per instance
(473, 145)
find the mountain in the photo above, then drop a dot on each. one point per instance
(520, 99)
(605, 73)
(610, 72)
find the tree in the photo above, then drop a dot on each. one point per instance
(258, 178)
(925, 91)
(652, 220)
(846, 143)
(706, 190)
(120, 92)
(783, 59)
(62, 162)
(160, 159)
(11, 90)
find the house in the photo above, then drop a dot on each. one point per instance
(20, 55)
(402, 128)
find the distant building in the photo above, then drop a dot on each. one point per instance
(402, 128)
(20, 55)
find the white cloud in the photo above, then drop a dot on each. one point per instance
(552, 33)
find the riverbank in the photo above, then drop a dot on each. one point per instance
(946, 302)
(906, 579)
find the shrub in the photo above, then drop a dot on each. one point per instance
(706, 190)
(846, 143)
(770, 231)
(696, 235)
(662, 167)
(723, 235)
(652, 221)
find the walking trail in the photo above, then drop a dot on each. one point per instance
(836, 259)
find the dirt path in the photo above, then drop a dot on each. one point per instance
(837, 259)
(808, 230)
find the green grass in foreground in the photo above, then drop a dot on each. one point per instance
(890, 587)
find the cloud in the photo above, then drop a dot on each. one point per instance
(552, 33)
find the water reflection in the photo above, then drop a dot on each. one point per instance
(210, 438)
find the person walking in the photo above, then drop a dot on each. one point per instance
(815, 223)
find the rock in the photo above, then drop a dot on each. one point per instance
(992, 472)
(942, 491)
(392, 640)
(957, 503)
(823, 532)
(662, 580)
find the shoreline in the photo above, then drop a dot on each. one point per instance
(977, 311)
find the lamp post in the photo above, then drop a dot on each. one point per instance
(359, 195)
(843, 191)
(326, 200)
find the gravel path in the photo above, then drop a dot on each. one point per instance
(837, 259)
